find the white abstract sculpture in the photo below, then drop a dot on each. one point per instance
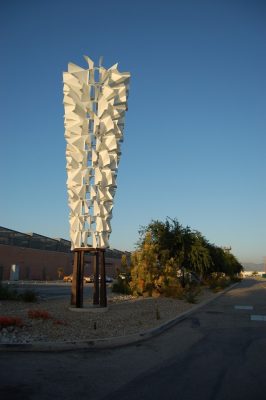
(95, 102)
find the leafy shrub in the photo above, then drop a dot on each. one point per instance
(190, 297)
(148, 290)
(122, 283)
(191, 293)
(236, 278)
(121, 286)
(6, 293)
(224, 283)
(10, 321)
(39, 314)
(29, 296)
(218, 281)
(156, 293)
(59, 322)
(144, 268)
(254, 273)
(176, 291)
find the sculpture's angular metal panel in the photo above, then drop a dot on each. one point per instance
(95, 102)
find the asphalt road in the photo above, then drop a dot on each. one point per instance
(218, 353)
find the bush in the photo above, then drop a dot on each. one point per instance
(29, 296)
(6, 293)
(10, 321)
(175, 291)
(190, 297)
(144, 268)
(39, 314)
(218, 281)
(60, 322)
(236, 278)
(121, 286)
(191, 293)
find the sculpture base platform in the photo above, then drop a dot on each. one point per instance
(90, 309)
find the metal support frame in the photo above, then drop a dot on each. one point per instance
(103, 298)
(99, 287)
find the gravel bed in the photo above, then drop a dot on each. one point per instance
(125, 315)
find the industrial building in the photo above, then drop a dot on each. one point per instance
(30, 256)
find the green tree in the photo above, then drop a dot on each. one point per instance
(166, 248)
(124, 268)
(233, 266)
(223, 261)
(144, 267)
(196, 256)
(167, 238)
(121, 285)
(188, 249)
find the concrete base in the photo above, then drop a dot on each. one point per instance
(89, 308)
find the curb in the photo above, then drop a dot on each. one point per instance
(108, 343)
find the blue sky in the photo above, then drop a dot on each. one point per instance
(195, 134)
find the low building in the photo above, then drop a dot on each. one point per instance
(30, 256)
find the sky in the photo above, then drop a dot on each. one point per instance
(195, 132)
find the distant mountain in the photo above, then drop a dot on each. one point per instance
(253, 266)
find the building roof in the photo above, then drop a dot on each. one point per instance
(33, 240)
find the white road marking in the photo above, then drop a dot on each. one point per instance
(258, 318)
(244, 307)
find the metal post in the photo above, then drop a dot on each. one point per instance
(95, 258)
(81, 278)
(103, 298)
(74, 280)
(77, 279)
